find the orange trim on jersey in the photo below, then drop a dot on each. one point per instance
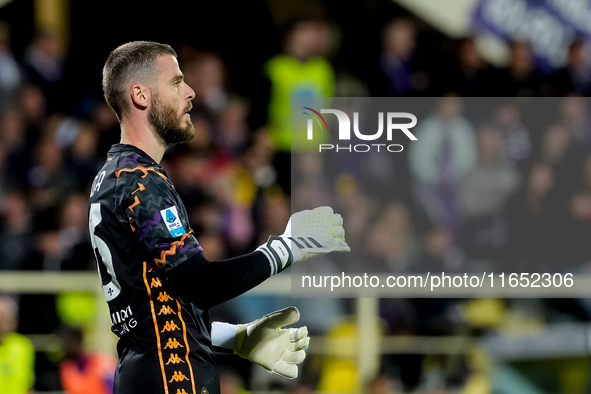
(186, 343)
(136, 202)
(141, 188)
(144, 170)
(156, 330)
(172, 250)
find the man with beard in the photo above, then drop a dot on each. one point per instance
(157, 281)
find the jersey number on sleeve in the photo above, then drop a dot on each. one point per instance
(111, 286)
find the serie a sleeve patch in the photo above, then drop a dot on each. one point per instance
(173, 222)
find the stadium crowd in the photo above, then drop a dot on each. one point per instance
(509, 190)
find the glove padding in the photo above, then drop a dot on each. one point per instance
(308, 234)
(265, 342)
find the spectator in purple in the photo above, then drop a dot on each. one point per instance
(396, 60)
(575, 77)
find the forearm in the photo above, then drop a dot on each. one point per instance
(207, 283)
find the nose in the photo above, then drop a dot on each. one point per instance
(189, 92)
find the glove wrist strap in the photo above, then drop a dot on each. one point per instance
(278, 252)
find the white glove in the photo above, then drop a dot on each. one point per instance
(264, 342)
(308, 234)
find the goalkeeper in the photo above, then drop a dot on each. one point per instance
(156, 279)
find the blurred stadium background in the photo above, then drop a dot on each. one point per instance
(55, 130)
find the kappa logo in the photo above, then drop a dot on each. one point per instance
(174, 359)
(163, 297)
(166, 310)
(170, 326)
(173, 223)
(172, 344)
(155, 283)
(178, 376)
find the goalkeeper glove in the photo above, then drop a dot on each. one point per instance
(308, 234)
(279, 350)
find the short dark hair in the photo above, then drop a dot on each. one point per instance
(130, 63)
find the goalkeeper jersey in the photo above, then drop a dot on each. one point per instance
(140, 231)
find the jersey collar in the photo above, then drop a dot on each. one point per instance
(120, 148)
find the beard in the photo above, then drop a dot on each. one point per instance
(168, 125)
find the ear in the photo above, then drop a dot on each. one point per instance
(140, 95)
